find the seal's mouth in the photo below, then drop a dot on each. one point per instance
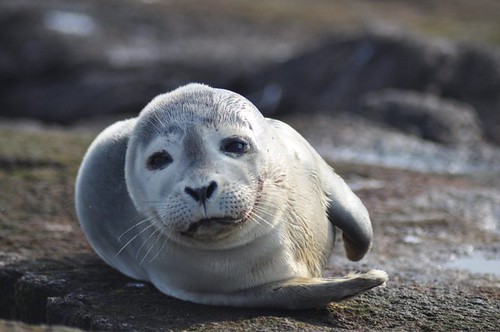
(220, 227)
(214, 224)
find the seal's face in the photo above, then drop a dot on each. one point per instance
(200, 173)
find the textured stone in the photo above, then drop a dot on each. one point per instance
(63, 63)
(337, 76)
(424, 115)
(50, 275)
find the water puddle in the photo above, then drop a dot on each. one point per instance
(475, 262)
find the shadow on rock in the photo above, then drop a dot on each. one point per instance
(83, 292)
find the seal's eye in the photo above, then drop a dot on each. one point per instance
(235, 145)
(159, 160)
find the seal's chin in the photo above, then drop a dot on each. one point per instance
(212, 228)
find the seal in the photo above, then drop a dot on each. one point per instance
(213, 203)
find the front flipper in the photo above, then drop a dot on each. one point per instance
(347, 212)
(303, 293)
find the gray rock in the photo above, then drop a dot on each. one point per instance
(15, 326)
(50, 275)
(424, 115)
(60, 63)
(335, 77)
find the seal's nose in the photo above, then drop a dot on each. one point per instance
(203, 193)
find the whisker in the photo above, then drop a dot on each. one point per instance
(255, 215)
(134, 226)
(145, 242)
(265, 210)
(152, 246)
(132, 239)
(268, 209)
(159, 251)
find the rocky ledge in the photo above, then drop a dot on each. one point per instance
(425, 224)
(412, 123)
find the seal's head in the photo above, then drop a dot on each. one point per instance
(197, 164)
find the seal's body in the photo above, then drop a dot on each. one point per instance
(213, 203)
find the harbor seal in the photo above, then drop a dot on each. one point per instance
(214, 203)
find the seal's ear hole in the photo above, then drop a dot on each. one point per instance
(159, 160)
(235, 145)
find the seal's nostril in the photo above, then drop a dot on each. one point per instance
(201, 194)
(211, 188)
(195, 193)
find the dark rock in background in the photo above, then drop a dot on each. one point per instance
(43, 76)
(336, 76)
(60, 62)
(63, 63)
(432, 205)
(423, 115)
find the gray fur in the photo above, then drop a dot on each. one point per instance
(271, 217)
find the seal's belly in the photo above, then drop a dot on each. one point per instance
(263, 261)
(221, 271)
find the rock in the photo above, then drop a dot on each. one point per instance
(47, 75)
(333, 77)
(100, 64)
(336, 76)
(475, 79)
(62, 63)
(14, 326)
(50, 275)
(424, 115)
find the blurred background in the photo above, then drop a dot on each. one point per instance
(401, 96)
(405, 84)
(430, 68)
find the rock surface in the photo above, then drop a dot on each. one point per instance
(338, 75)
(13, 326)
(429, 180)
(424, 115)
(60, 63)
(48, 273)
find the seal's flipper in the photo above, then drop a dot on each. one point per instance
(304, 293)
(347, 212)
